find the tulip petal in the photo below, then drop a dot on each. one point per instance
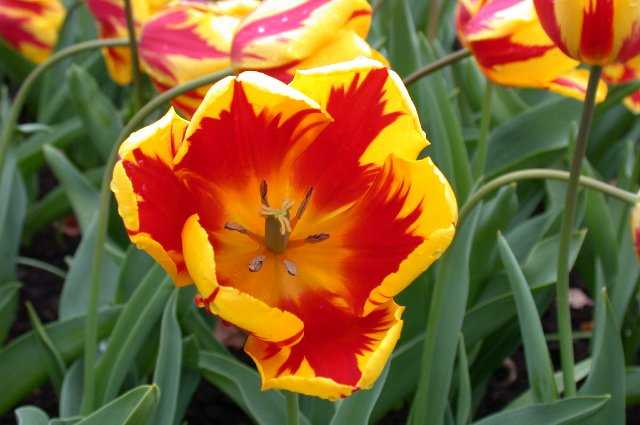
(187, 41)
(622, 73)
(31, 26)
(635, 228)
(574, 84)
(152, 201)
(376, 248)
(282, 32)
(373, 117)
(244, 311)
(338, 354)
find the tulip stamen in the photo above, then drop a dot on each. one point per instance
(304, 203)
(256, 264)
(264, 192)
(235, 227)
(291, 267)
(317, 237)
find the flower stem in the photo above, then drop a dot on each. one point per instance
(91, 336)
(435, 66)
(135, 62)
(480, 159)
(562, 285)
(543, 174)
(293, 411)
(21, 97)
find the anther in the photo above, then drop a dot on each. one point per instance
(256, 264)
(291, 267)
(318, 237)
(235, 227)
(263, 193)
(304, 203)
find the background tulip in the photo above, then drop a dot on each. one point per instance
(595, 32)
(189, 40)
(281, 36)
(31, 26)
(112, 23)
(511, 48)
(622, 73)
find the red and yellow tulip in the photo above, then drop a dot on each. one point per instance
(512, 49)
(188, 40)
(623, 73)
(595, 32)
(281, 36)
(31, 26)
(112, 23)
(296, 222)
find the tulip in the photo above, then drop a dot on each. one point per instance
(635, 228)
(622, 73)
(297, 222)
(112, 23)
(512, 49)
(31, 26)
(281, 36)
(187, 41)
(595, 32)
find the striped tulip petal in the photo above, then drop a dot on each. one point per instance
(281, 36)
(187, 41)
(512, 49)
(635, 228)
(271, 193)
(595, 32)
(112, 23)
(622, 73)
(31, 26)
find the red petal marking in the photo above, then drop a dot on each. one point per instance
(32, 6)
(547, 17)
(180, 102)
(377, 239)
(484, 18)
(631, 46)
(332, 338)
(566, 82)
(110, 16)
(596, 40)
(229, 150)
(331, 164)
(359, 13)
(164, 203)
(165, 36)
(637, 233)
(13, 32)
(500, 51)
(287, 20)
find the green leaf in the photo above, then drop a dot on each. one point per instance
(539, 367)
(564, 412)
(13, 207)
(517, 143)
(100, 118)
(13, 64)
(135, 323)
(357, 409)
(607, 373)
(21, 360)
(632, 384)
(626, 281)
(135, 266)
(168, 365)
(81, 193)
(194, 324)
(443, 326)
(463, 408)
(242, 385)
(9, 294)
(31, 415)
(135, 407)
(72, 388)
(75, 292)
(53, 358)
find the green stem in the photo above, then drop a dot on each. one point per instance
(543, 174)
(435, 66)
(480, 160)
(293, 411)
(21, 97)
(135, 62)
(562, 285)
(91, 337)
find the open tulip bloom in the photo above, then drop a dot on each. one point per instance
(622, 73)
(31, 26)
(512, 49)
(299, 211)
